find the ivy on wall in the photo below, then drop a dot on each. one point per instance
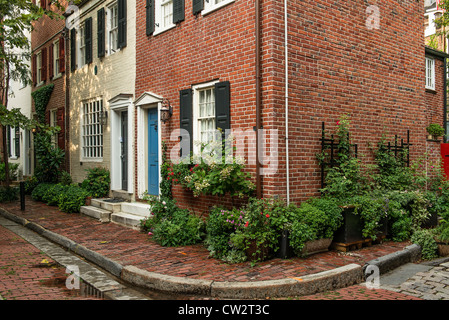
(41, 98)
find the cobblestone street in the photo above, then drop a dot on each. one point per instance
(428, 285)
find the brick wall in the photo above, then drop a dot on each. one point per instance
(336, 65)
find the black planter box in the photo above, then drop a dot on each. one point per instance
(351, 229)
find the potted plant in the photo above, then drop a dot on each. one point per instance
(314, 227)
(434, 130)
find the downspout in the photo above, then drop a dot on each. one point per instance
(287, 162)
(258, 100)
(67, 98)
(445, 99)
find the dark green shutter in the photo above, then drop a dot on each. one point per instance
(197, 6)
(222, 106)
(186, 116)
(73, 49)
(100, 33)
(88, 39)
(121, 23)
(17, 141)
(178, 11)
(150, 17)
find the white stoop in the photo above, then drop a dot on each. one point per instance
(128, 214)
(131, 214)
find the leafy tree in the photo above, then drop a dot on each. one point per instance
(16, 20)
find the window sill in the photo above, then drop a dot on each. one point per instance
(162, 30)
(59, 75)
(431, 90)
(87, 160)
(216, 7)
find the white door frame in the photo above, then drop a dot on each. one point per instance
(121, 102)
(146, 101)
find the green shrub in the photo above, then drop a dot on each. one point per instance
(65, 178)
(51, 197)
(72, 199)
(8, 194)
(97, 182)
(13, 168)
(40, 190)
(30, 184)
(172, 226)
(425, 239)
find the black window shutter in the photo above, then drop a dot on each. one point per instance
(17, 141)
(88, 39)
(197, 6)
(186, 116)
(121, 23)
(178, 11)
(150, 17)
(100, 33)
(222, 106)
(73, 49)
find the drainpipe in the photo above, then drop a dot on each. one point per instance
(287, 162)
(258, 100)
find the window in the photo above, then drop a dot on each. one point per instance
(55, 61)
(213, 5)
(204, 109)
(205, 115)
(39, 68)
(113, 28)
(92, 130)
(430, 73)
(163, 15)
(82, 47)
(13, 141)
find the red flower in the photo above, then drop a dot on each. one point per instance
(246, 224)
(267, 215)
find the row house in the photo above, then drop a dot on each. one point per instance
(285, 67)
(48, 66)
(274, 68)
(102, 81)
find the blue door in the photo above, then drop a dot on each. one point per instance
(153, 153)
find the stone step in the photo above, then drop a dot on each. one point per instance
(97, 213)
(136, 208)
(127, 219)
(103, 204)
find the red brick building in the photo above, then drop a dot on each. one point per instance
(48, 66)
(287, 69)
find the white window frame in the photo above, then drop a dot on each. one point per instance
(12, 143)
(91, 134)
(56, 71)
(212, 5)
(82, 45)
(112, 25)
(39, 80)
(430, 73)
(196, 112)
(163, 23)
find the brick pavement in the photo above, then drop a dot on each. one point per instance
(131, 247)
(24, 275)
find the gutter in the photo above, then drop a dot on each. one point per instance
(258, 98)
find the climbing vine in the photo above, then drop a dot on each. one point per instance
(41, 98)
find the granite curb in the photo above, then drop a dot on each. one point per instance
(306, 285)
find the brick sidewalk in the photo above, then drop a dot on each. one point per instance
(131, 247)
(23, 276)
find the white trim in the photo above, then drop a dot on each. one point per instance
(195, 129)
(208, 8)
(430, 78)
(55, 61)
(158, 18)
(142, 141)
(117, 105)
(81, 134)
